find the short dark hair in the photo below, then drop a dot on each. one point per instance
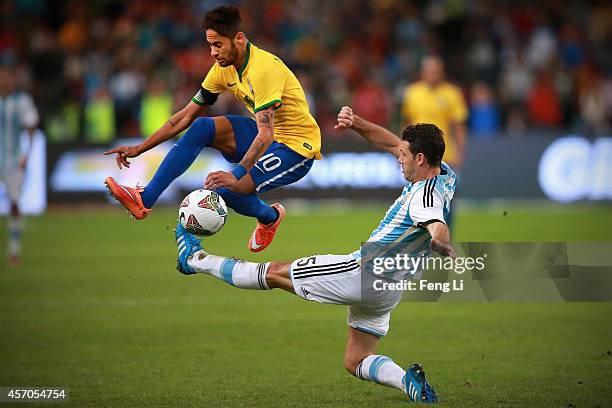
(225, 20)
(425, 138)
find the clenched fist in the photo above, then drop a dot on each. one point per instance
(345, 118)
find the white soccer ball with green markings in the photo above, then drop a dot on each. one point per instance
(203, 212)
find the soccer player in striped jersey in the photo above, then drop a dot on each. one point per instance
(417, 218)
(17, 112)
(276, 149)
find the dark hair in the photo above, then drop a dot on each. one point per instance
(425, 138)
(225, 20)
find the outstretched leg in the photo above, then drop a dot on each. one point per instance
(241, 274)
(359, 357)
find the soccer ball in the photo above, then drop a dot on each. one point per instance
(203, 212)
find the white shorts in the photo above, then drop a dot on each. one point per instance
(12, 178)
(337, 279)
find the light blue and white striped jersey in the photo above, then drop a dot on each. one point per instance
(17, 112)
(419, 204)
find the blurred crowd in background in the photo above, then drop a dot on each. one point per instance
(107, 69)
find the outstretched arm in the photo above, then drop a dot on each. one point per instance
(377, 135)
(178, 122)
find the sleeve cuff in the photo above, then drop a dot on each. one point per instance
(424, 224)
(239, 171)
(204, 97)
(275, 103)
(197, 101)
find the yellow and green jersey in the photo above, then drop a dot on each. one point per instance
(441, 105)
(264, 81)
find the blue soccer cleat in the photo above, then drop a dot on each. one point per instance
(417, 387)
(188, 245)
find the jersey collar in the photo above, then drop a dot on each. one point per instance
(246, 61)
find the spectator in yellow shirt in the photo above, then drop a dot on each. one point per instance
(434, 100)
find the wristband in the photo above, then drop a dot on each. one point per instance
(239, 171)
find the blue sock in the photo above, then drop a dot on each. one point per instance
(179, 158)
(248, 204)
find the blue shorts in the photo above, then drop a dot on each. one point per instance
(278, 166)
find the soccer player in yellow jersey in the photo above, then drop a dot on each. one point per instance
(433, 100)
(277, 148)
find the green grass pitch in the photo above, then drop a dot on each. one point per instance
(98, 307)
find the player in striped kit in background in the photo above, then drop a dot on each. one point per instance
(17, 113)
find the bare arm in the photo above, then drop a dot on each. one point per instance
(178, 122)
(263, 140)
(440, 239)
(377, 135)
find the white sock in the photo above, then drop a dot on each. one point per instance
(381, 370)
(15, 227)
(242, 274)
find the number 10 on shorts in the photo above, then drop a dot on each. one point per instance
(268, 162)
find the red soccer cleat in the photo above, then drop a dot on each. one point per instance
(128, 197)
(264, 233)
